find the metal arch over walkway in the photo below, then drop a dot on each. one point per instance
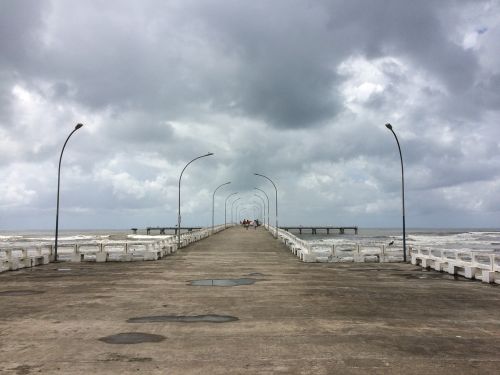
(286, 316)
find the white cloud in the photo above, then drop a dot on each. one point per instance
(297, 91)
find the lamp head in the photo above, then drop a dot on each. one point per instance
(78, 126)
(209, 154)
(388, 126)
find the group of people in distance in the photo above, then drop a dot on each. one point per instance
(246, 223)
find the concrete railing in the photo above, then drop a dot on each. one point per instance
(346, 252)
(470, 264)
(14, 258)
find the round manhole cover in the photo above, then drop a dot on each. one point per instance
(210, 318)
(131, 338)
(20, 292)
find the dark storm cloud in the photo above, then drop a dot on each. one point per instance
(19, 23)
(297, 90)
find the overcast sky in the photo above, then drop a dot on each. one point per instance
(297, 90)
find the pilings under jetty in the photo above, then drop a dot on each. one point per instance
(478, 265)
(165, 230)
(14, 258)
(321, 229)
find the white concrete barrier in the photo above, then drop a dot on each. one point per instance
(14, 258)
(479, 265)
(346, 252)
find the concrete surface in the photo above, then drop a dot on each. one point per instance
(297, 318)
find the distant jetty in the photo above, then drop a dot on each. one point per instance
(321, 229)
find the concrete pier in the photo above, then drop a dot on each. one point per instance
(286, 317)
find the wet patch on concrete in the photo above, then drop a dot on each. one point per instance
(131, 338)
(20, 292)
(431, 276)
(23, 369)
(210, 318)
(115, 357)
(256, 274)
(223, 282)
(377, 269)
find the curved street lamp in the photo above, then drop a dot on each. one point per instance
(260, 209)
(264, 205)
(225, 209)
(213, 203)
(240, 212)
(267, 204)
(78, 126)
(276, 189)
(232, 206)
(389, 126)
(179, 210)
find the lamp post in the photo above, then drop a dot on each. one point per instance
(78, 126)
(179, 210)
(276, 189)
(267, 204)
(236, 212)
(241, 211)
(213, 203)
(264, 204)
(232, 206)
(225, 209)
(389, 126)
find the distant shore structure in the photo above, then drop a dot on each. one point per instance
(299, 228)
(163, 230)
(315, 229)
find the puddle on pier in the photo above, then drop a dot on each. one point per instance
(210, 318)
(131, 338)
(432, 276)
(376, 269)
(20, 292)
(223, 282)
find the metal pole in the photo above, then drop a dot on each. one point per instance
(264, 203)
(225, 209)
(232, 206)
(267, 204)
(389, 126)
(236, 214)
(179, 209)
(78, 126)
(213, 203)
(276, 189)
(242, 210)
(256, 209)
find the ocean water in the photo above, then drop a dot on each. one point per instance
(458, 239)
(475, 239)
(35, 237)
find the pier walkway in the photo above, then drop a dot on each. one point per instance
(254, 309)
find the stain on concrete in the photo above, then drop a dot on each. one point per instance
(256, 274)
(210, 318)
(17, 293)
(115, 357)
(223, 282)
(376, 269)
(432, 276)
(23, 369)
(131, 338)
